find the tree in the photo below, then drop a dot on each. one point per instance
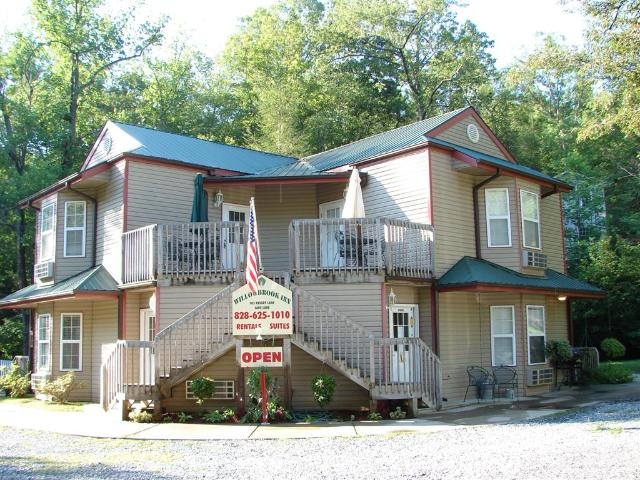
(85, 45)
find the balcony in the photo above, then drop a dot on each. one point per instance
(210, 251)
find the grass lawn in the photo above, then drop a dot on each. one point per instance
(31, 402)
(633, 365)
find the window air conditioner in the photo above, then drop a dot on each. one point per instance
(43, 271)
(534, 259)
(539, 376)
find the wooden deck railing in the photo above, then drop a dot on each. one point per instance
(375, 245)
(390, 367)
(139, 255)
(128, 372)
(196, 337)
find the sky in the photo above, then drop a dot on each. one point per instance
(512, 24)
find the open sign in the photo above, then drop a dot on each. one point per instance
(261, 357)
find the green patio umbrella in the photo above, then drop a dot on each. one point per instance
(200, 209)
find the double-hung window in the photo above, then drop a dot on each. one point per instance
(47, 231)
(71, 342)
(535, 334)
(75, 223)
(43, 354)
(498, 218)
(503, 339)
(529, 203)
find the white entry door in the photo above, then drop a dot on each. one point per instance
(147, 333)
(329, 256)
(233, 238)
(403, 323)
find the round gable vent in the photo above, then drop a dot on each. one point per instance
(473, 133)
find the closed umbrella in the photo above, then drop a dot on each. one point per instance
(353, 203)
(200, 208)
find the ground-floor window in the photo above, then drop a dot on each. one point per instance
(536, 334)
(71, 341)
(43, 353)
(503, 340)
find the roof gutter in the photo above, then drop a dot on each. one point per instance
(476, 209)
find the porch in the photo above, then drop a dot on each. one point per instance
(328, 248)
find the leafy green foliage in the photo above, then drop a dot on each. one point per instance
(61, 388)
(16, 382)
(140, 416)
(609, 373)
(11, 337)
(612, 348)
(202, 388)
(323, 387)
(558, 351)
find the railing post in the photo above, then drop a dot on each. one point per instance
(372, 359)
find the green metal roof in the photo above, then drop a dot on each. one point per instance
(121, 138)
(471, 272)
(380, 144)
(94, 280)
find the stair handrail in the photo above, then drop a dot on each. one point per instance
(191, 339)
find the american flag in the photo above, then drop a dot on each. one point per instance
(251, 273)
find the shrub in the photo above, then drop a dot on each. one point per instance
(397, 414)
(140, 416)
(612, 348)
(184, 417)
(374, 416)
(60, 389)
(558, 351)
(15, 383)
(202, 388)
(609, 373)
(323, 387)
(214, 417)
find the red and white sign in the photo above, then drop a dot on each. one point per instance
(267, 311)
(261, 357)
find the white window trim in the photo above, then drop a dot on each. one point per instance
(83, 228)
(52, 232)
(502, 335)
(544, 335)
(46, 368)
(536, 220)
(489, 218)
(65, 342)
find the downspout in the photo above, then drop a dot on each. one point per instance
(95, 220)
(476, 212)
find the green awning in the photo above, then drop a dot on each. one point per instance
(473, 274)
(93, 283)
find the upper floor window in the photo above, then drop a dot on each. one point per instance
(503, 336)
(530, 206)
(75, 222)
(71, 341)
(43, 353)
(498, 218)
(535, 334)
(47, 231)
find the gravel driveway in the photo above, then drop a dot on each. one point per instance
(594, 443)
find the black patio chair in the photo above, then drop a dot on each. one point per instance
(479, 378)
(505, 378)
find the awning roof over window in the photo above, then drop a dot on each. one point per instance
(472, 274)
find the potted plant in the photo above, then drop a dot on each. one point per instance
(323, 386)
(202, 388)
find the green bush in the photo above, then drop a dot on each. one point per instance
(15, 383)
(202, 388)
(558, 351)
(609, 373)
(60, 389)
(140, 416)
(612, 348)
(323, 387)
(397, 414)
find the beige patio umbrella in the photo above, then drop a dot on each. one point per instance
(353, 203)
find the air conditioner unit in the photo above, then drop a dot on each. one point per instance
(43, 271)
(534, 259)
(539, 376)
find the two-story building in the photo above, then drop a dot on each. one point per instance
(457, 261)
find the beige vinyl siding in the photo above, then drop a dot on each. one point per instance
(457, 135)
(276, 206)
(158, 193)
(552, 231)
(110, 217)
(135, 300)
(69, 266)
(453, 213)
(399, 188)
(222, 369)
(509, 257)
(99, 325)
(175, 301)
(360, 302)
(330, 192)
(304, 367)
